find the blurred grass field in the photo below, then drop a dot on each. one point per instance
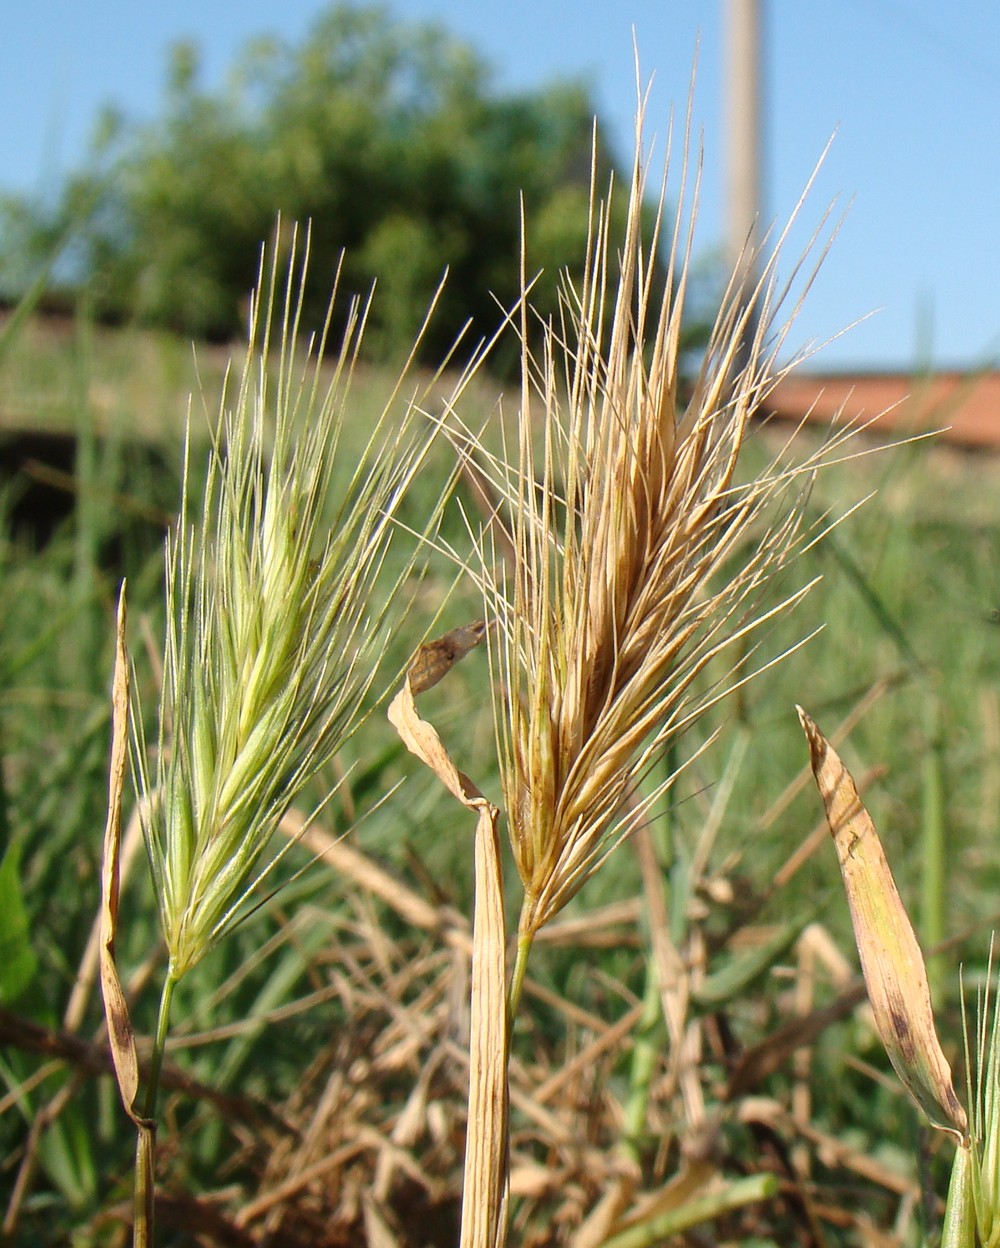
(908, 659)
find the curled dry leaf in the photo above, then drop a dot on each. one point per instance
(435, 659)
(420, 737)
(891, 960)
(120, 1033)
(121, 1036)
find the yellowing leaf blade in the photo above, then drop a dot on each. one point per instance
(891, 959)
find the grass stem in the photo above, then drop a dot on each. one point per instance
(524, 942)
(645, 1054)
(159, 1045)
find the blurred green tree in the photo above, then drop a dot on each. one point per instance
(388, 136)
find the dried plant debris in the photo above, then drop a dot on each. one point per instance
(891, 960)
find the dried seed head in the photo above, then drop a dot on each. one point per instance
(622, 586)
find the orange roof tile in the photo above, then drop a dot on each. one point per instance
(968, 404)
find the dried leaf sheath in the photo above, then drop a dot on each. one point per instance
(484, 1187)
(891, 960)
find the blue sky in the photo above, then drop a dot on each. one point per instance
(911, 89)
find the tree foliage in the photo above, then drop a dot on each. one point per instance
(388, 137)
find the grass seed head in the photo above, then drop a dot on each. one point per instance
(639, 555)
(276, 626)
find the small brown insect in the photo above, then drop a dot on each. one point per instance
(435, 659)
